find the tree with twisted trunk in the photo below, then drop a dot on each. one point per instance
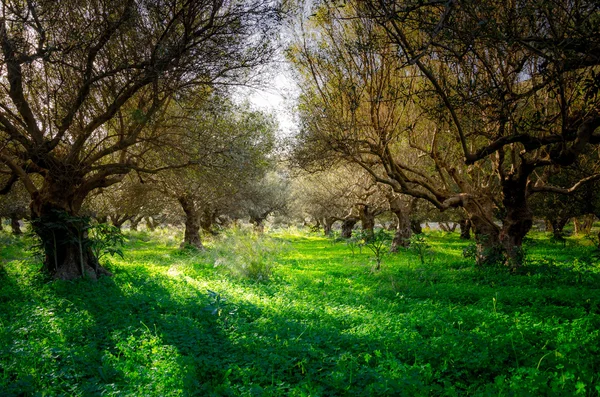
(462, 104)
(85, 81)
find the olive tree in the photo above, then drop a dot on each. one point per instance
(229, 145)
(83, 84)
(460, 104)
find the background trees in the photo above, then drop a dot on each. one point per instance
(228, 147)
(462, 105)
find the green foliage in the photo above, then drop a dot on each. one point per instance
(377, 242)
(420, 246)
(246, 254)
(484, 255)
(105, 240)
(59, 228)
(171, 324)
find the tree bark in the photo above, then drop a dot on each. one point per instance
(583, 225)
(134, 222)
(67, 249)
(415, 226)
(207, 220)
(118, 220)
(151, 223)
(367, 219)
(347, 227)
(15, 225)
(518, 220)
(192, 224)
(403, 227)
(328, 225)
(465, 229)
(558, 226)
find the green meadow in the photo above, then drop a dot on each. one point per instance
(295, 314)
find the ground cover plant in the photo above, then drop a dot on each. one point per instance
(313, 320)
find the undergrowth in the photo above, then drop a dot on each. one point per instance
(321, 323)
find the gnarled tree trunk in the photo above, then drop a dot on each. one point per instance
(134, 222)
(192, 223)
(403, 229)
(347, 226)
(558, 226)
(367, 219)
(67, 248)
(518, 220)
(207, 220)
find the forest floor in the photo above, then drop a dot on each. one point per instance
(296, 314)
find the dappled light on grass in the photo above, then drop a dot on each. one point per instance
(171, 323)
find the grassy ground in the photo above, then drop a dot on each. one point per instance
(174, 322)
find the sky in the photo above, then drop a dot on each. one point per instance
(278, 97)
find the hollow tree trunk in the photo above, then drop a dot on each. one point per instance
(192, 223)
(347, 227)
(465, 229)
(67, 248)
(403, 229)
(15, 225)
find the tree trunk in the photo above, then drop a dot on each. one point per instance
(347, 227)
(192, 224)
(118, 220)
(480, 211)
(68, 253)
(403, 232)
(15, 225)
(207, 220)
(465, 229)
(403, 229)
(134, 222)
(367, 220)
(583, 225)
(327, 225)
(558, 226)
(517, 221)
(151, 224)
(416, 227)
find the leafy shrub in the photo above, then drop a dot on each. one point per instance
(420, 246)
(375, 241)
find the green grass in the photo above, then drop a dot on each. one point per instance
(323, 324)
